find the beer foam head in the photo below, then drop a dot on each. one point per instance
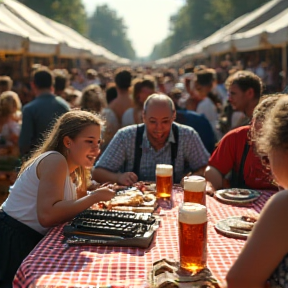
(192, 213)
(194, 183)
(164, 169)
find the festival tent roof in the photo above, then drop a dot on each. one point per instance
(68, 47)
(87, 45)
(196, 51)
(10, 40)
(219, 41)
(272, 32)
(71, 43)
(38, 43)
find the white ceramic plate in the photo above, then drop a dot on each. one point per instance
(225, 196)
(223, 227)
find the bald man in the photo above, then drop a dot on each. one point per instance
(134, 152)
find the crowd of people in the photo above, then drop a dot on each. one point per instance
(83, 132)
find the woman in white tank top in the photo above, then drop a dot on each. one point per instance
(44, 194)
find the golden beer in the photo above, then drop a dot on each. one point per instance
(164, 181)
(194, 189)
(192, 236)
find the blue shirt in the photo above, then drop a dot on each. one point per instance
(200, 124)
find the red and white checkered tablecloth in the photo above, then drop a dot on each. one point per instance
(54, 264)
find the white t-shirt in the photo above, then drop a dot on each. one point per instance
(207, 107)
(22, 201)
(128, 117)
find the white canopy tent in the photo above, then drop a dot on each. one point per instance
(68, 47)
(89, 48)
(221, 40)
(70, 42)
(195, 51)
(10, 40)
(273, 32)
(38, 43)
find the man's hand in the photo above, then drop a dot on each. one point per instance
(127, 178)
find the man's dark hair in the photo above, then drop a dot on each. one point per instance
(123, 79)
(246, 80)
(188, 68)
(111, 94)
(148, 83)
(43, 78)
(61, 78)
(205, 77)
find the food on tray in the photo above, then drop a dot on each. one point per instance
(127, 200)
(131, 199)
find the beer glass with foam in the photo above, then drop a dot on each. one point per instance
(194, 189)
(192, 219)
(164, 181)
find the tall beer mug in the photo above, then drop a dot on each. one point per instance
(194, 189)
(192, 236)
(164, 181)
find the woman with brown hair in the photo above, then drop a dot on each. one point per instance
(44, 194)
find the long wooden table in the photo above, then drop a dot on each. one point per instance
(54, 264)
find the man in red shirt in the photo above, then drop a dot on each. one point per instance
(234, 152)
(248, 171)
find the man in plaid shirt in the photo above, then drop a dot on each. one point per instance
(117, 163)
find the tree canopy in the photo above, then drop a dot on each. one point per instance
(109, 30)
(198, 19)
(67, 12)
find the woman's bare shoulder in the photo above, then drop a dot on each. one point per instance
(52, 163)
(275, 211)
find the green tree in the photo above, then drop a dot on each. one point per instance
(67, 12)
(109, 30)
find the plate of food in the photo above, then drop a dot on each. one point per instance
(237, 196)
(237, 226)
(138, 198)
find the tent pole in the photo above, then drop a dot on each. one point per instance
(284, 65)
(25, 48)
(213, 60)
